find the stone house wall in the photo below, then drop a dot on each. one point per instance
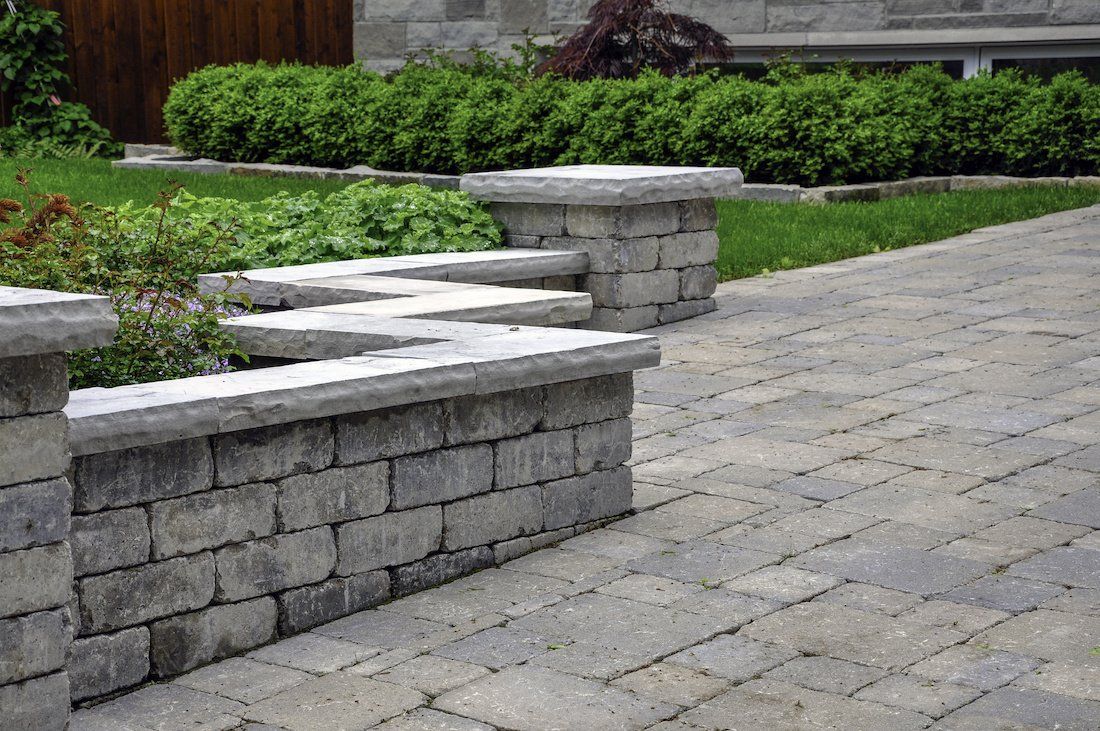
(386, 30)
(193, 550)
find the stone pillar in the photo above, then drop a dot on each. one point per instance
(36, 568)
(649, 232)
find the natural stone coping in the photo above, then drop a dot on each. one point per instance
(274, 286)
(603, 185)
(494, 358)
(34, 321)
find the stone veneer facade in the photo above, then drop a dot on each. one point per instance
(221, 544)
(386, 30)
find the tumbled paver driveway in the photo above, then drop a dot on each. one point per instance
(868, 497)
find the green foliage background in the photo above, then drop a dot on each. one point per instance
(791, 127)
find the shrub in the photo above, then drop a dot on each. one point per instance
(167, 329)
(790, 127)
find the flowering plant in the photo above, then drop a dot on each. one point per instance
(167, 328)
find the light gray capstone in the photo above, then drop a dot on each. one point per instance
(333, 495)
(143, 474)
(309, 606)
(622, 320)
(530, 220)
(634, 289)
(102, 664)
(33, 644)
(211, 519)
(496, 516)
(33, 384)
(693, 248)
(593, 399)
(267, 453)
(108, 540)
(602, 445)
(37, 704)
(587, 497)
(442, 475)
(34, 448)
(388, 539)
(274, 563)
(699, 214)
(375, 435)
(533, 458)
(34, 321)
(35, 579)
(622, 222)
(480, 418)
(189, 640)
(437, 569)
(698, 282)
(136, 595)
(610, 255)
(34, 513)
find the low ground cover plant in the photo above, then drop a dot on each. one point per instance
(842, 126)
(147, 259)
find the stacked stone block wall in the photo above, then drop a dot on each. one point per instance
(35, 562)
(190, 551)
(650, 264)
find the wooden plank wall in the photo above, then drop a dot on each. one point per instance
(124, 54)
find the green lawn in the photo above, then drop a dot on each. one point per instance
(758, 237)
(97, 181)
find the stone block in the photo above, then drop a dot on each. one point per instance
(693, 248)
(143, 474)
(306, 607)
(379, 40)
(622, 222)
(626, 320)
(102, 664)
(388, 539)
(211, 519)
(683, 310)
(437, 569)
(33, 644)
(825, 16)
(136, 595)
(255, 455)
(610, 255)
(1065, 12)
(505, 551)
(698, 283)
(442, 475)
(596, 495)
(530, 219)
(492, 416)
(699, 214)
(34, 513)
(561, 283)
(108, 540)
(187, 641)
(33, 384)
(465, 9)
(533, 458)
(333, 495)
(602, 445)
(523, 16)
(35, 579)
(375, 435)
(522, 242)
(634, 289)
(593, 399)
(34, 448)
(275, 563)
(497, 516)
(41, 704)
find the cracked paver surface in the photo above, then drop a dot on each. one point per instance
(867, 496)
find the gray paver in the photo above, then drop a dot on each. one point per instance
(919, 695)
(978, 667)
(1016, 708)
(733, 657)
(826, 674)
(1005, 593)
(337, 700)
(894, 567)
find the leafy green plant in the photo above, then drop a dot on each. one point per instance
(167, 328)
(32, 54)
(841, 126)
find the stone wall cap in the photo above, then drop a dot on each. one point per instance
(603, 185)
(34, 321)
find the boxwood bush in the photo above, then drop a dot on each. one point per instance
(790, 127)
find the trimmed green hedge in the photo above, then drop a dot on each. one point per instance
(791, 127)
